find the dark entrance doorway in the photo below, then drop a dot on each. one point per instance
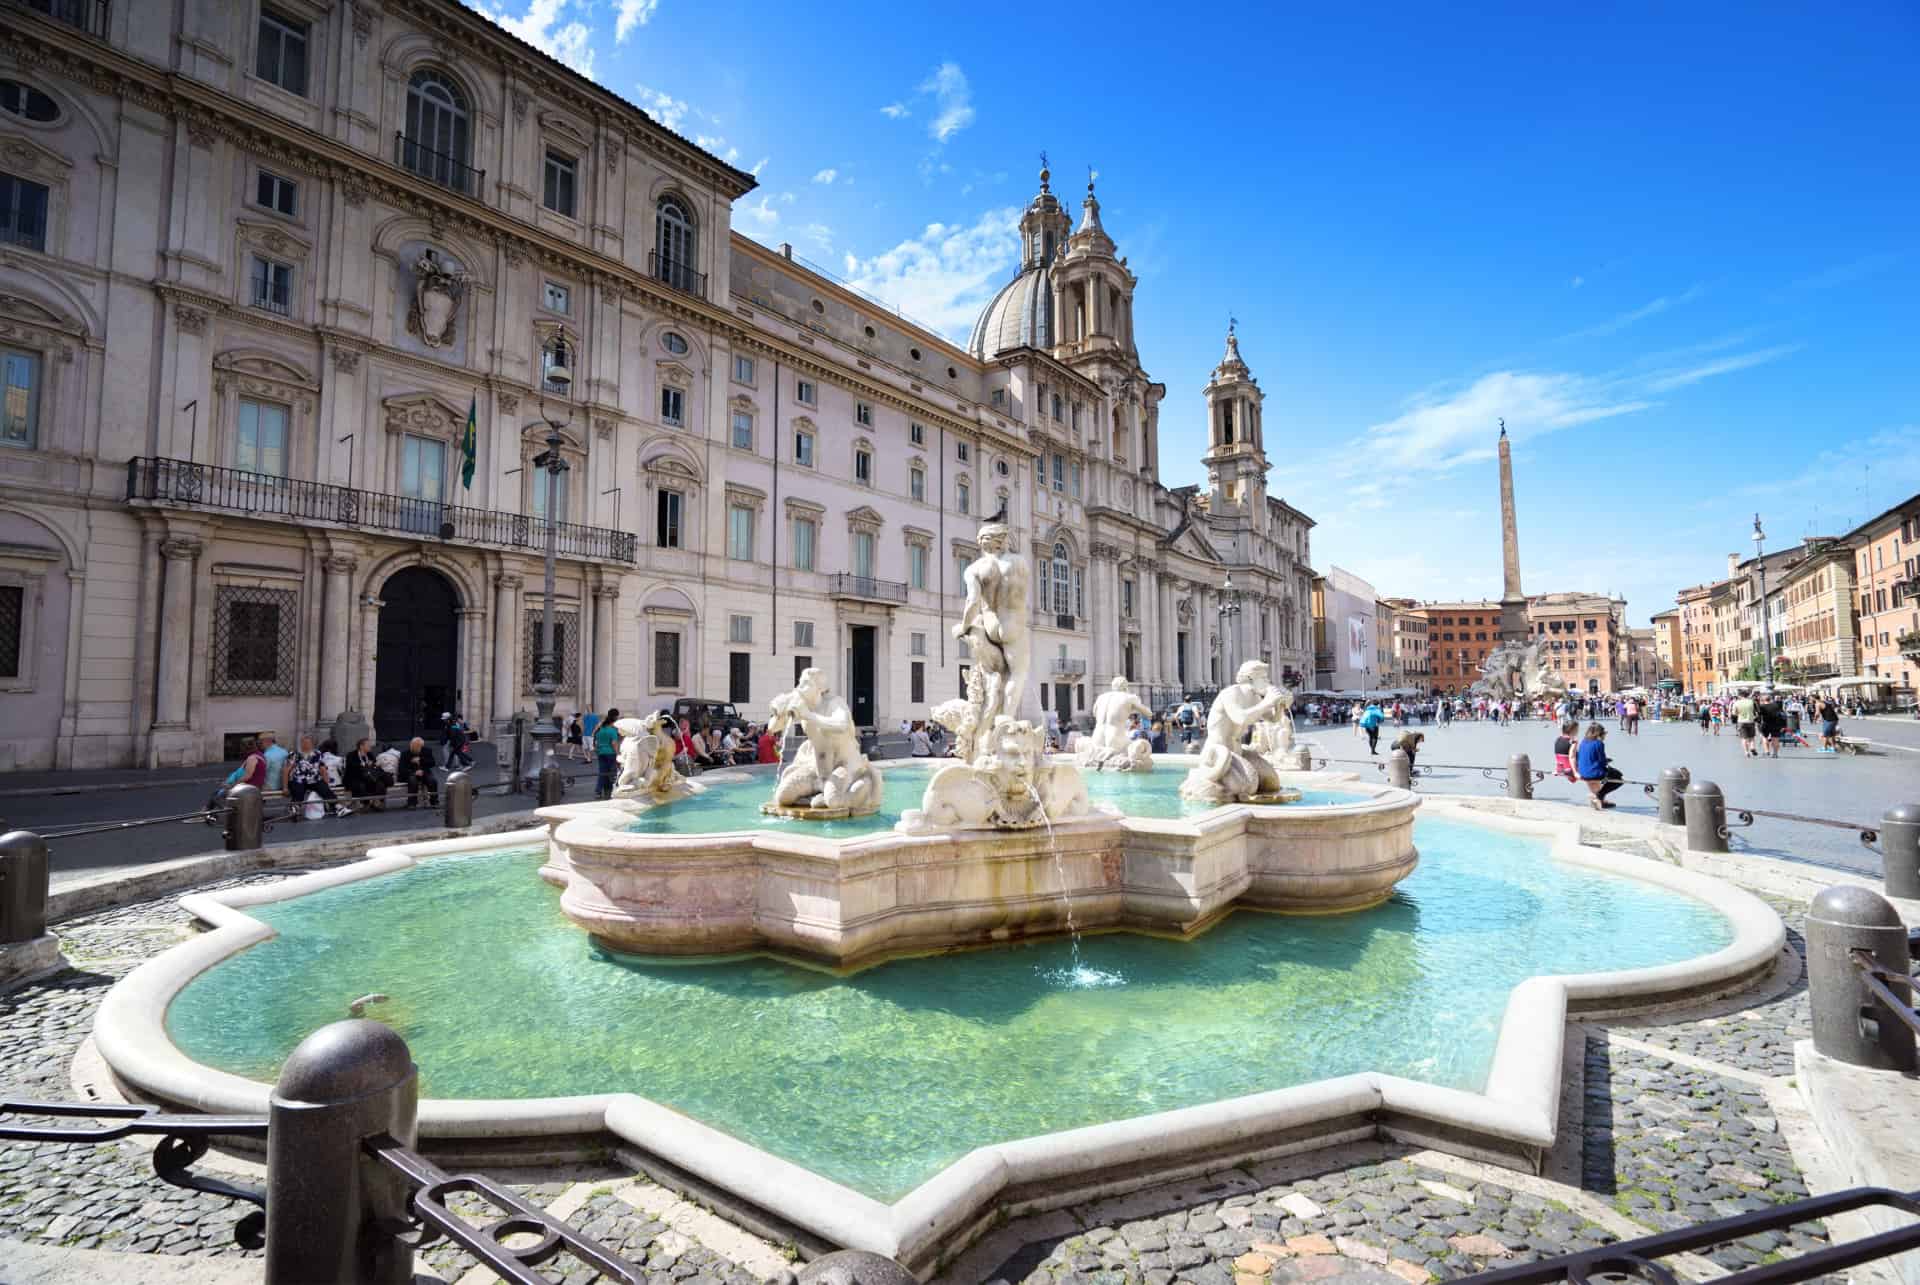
(1063, 703)
(414, 667)
(860, 675)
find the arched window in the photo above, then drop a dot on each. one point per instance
(674, 249)
(439, 142)
(1062, 581)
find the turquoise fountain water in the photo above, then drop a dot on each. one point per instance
(880, 1079)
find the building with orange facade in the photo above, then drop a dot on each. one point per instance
(1695, 667)
(1666, 641)
(1459, 636)
(1585, 639)
(1887, 581)
(1816, 634)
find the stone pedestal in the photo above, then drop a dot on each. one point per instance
(24, 961)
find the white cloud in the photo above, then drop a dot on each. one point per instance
(759, 165)
(1438, 434)
(826, 176)
(894, 111)
(1847, 273)
(664, 108)
(944, 276)
(1613, 325)
(1726, 365)
(820, 234)
(786, 198)
(763, 216)
(633, 13)
(540, 26)
(952, 98)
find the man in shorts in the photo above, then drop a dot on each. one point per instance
(1745, 715)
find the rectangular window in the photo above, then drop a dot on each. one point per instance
(19, 398)
(260, 446)
(666, 660)
(917, 483)
(423, 469)
(917, 682)
(666, 519)
(1056, 406)
(13, 619)
(740, 533)
(562, 173)
(801, 664)
(740, 677)
(743, 370)
(272, 285)
(804, 532)
(23, 212)
(863, 554)
(566, 649)
(917, 434)
(963, 498)
(539, 482)
(999, 397)
(1079, 592)
(742, 430)
(1073, 486)
(917, 565)
(916, 643)
(863, 467)
(962, 451)
(739, 629)
(863, 414)
(1059, 472)
(281, 55)
(673, 406)
(275, 193)
(253, 642)
(804, 392)
(1126, 597)
(803, 633)
(803, 447)
(555, 297)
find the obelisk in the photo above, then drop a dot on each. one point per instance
(1513, 601)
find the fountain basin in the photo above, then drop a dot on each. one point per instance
(850, 902)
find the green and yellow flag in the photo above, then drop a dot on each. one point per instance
(470, 443)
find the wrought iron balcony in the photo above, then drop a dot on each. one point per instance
(1065, 665)
(89, 16)
(866, 588)
(154, 480)
(437, 167)
(676, 274)
(1909, 644)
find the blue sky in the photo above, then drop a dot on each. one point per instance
(1679, 249)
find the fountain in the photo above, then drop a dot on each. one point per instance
(1111, 745)
(1228, 771)
(829, 779)
(646, 761)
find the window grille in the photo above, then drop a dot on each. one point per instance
(566, 648)
(253, 646)
(13, 608)
(666, 660)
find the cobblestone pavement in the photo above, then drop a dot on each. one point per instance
(1674, 1126)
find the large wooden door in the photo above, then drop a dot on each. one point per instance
(414, 668)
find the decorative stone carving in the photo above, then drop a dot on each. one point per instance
(521, 101)
(192, 321)
(362, 25)
(1228, 771)
(436, 299)
(603, 426)
(1518, 670)
(509, 403)
(180, 548)
(200, 131)
(337, 565)
(346, 360)
(1273, 738)
(829, 777)
(1010, 785)
(1110, 745)
(646, 761)
(355, 193)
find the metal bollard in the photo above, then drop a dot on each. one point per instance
(1400, 770)
(552, 786)
(1672, 795)
(334, 1213)
(458, 793)
(23, 887)
(1849, 1024)
(1706, 813)
(1519, 777)
(244, 818)
(1900, 846)
(848, 1267)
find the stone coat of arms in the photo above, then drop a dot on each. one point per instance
(436, 298)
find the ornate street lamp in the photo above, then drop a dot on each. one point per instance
(556, 379)
(1766, 633)
(1229, 612)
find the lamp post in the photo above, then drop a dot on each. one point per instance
(1229, 612)
(1766, 634)
(558, 380)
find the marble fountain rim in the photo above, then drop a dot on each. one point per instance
(1512, 1121)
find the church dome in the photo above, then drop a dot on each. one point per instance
(1019, 316)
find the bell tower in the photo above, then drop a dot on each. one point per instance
(1236, 458)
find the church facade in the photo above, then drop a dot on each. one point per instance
(263, 271)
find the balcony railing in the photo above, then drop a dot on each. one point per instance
(676, 274)
(89, 16)
(438, 167)
(842, 585)
(1065, 665)
(167, 481)
(1909, 644)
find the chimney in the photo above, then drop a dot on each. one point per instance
(1733, 565)
(786, 250)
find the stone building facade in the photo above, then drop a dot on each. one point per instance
(1817, 633)
(260, 268)
(1886, 570)
(1459, 636)
(1586, 639)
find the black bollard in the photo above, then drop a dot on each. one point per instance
(552, 787)
(1900, 846)
(458, 796)
(1849, 1024)
(1672, 795)
(23, 887)
(1519, 777)
(1400, 770)
(1706, 818)
(245, 820)
(335, 1215)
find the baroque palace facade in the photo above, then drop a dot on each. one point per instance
(258, 264)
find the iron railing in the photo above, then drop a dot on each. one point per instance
(159, 480)
(676, 274)
(451, 172)
(89, 16)
(1876, 979)
(844, 585)
(1065, 665)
